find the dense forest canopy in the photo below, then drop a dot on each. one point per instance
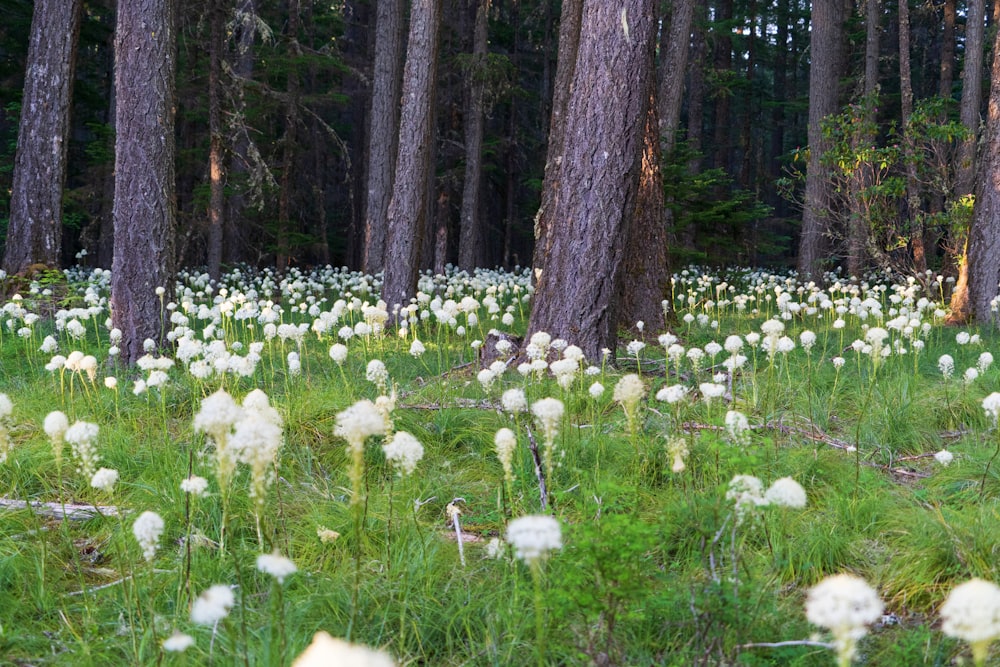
(292, 86)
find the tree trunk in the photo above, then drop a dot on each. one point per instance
(723, 62)
(569, 42)
(645, 281)
(234, 245)
(599, 176)
(947, 69)
(34, 235)
(673, 67)
(962, 300)
(407, 211)
(288, 148)
(859, 225)
(470, 241)
(144, 213)
(984, 238)
(913, 212)
(825, 43)
(383, 130)
(216, 177)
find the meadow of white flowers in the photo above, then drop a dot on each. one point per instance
(756, 365)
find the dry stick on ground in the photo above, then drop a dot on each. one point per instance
(59, 511)
(533, 446)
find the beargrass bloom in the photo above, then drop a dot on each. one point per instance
(147, 530)
(991, 406)
(672, 394)
(104, 479)
(404, 451)
(177, 642)
(972, 613)
(845, 605)
(276, 565)
(325, 651)
(213, 605)
(196, 486)
(677, 449)
(944, 457)
(785, 492)
(82, 436)
(738, 428)
(533, 537)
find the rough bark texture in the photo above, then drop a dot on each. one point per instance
(947, 69)
(599, 176)
(673, 68)
(645, 279)
(962, 300)
(916, 225)
(288, 153)
(825, 43)
(383, 128)
(144, 169)
(216, 177)
(471, 253)
(569, 41)
(984, 238)
(408, 208)
(34, 235)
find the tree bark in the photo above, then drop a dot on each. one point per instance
(34, 234)
(947, 68)
(962, 300)
(825, 43)
(723, 62)
(984, 238)
(216, 175)
(407, 211)
(145, 207)
(288, 148)
(470, 241)
(913, 212)
(673, 67)
(569, 42)
(383, 129)
(575, 296)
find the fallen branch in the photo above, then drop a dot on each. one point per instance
(60, 510)
(796, 642)
(533, 446)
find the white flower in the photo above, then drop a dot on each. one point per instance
(946, 365)
(962, 337)
(196, 486)
(944, 457)
(404, 451)
(55, 426)
(738, 428)
(325, 651)
(629, 391)
(844, 604)
(786, 492)
(505, 442)
(276, 565)
(970, 375)
(81, 437)
(635, 347)
(733, 344)
(984, 362)
(338, 352)
(991, 406)
(6, 406)
(358, 422)
(416, 348)
(838, 362)
(213, 605)
(972, 613)
(147, 530)
(514, 401)
(376, 372)
(486, 378)
(104, 479)
(533, 537)
(177, 642)
(672, 394)
(217, 415)
(711, 390)
(747, 493)
(596, 390)
(807, 339)
(548, 412)
(677, 450)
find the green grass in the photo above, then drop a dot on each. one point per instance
(651, 570)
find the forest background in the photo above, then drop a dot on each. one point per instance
(816, 134)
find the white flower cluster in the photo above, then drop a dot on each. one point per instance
(6, 410)
(147, 530)
(82, 436)
(325, 650)
(533, 537)
(213, 605)
(747, 494)
(505, 442)
(972, 613)
(845, 605)
(276, 565)
(404, 451)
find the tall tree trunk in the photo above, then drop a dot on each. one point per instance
(145, 64)
(858, 226)
(913, 212)
(576, 291)
(779, 94)
(407, 213)
(288, 147)
(673, 67)
(510, 219)
(825, 42)
(216, 176)
(569, 42)
(984, 238)
(470, 241)
(383, 128)
(234, 235)
(34, 235)
(645, 281)
(947, 69)
(972, 76)
(723, 62)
